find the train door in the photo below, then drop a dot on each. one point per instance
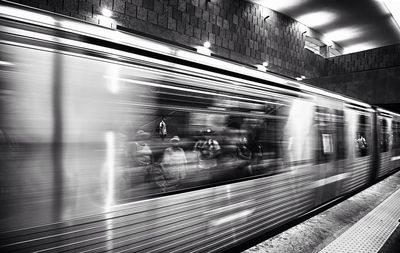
(385, 134)
(359, 144)
(328, 124)
(396, 142)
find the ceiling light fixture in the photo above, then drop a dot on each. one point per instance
(394, 7)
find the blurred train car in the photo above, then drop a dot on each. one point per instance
(84, 168)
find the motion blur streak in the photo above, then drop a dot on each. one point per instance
(5, 63)
(23, 14)
(110, 164)
(232, 217)
(329, 180)
(112, 82)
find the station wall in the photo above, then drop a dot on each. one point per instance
(372, 76)
(237, 30)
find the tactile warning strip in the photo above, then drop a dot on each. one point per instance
(371, 232)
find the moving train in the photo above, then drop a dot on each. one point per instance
(115, 142)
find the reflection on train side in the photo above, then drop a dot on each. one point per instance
(197, 138)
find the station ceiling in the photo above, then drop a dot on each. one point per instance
(355, 25)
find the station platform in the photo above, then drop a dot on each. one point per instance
(366, 222)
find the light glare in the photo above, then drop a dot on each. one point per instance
(106, 13)
(204, 50)
(207, 44)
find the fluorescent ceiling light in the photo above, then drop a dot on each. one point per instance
(343, 34)
(281, 4)
(394, 8)
(319, 18)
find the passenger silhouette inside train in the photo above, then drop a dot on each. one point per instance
(361, 144)
(174, 163)
(162, 128)
(244, 156)
(141, 158)
(209, 150)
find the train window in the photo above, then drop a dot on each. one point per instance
(396, 137)
(327, 143)
(361, 141)
(325, 127)
(186, 138)
(384, 136)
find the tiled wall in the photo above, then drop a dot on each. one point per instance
(384, 57)
(372, 76)
(236, 28)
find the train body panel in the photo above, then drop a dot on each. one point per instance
(86, 166)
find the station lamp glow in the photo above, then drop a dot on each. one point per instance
(205, 49)
(106, 13)
(261, 68)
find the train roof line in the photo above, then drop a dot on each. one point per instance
(384, 111)
(58, 21)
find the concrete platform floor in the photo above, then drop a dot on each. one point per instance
(317, 232)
